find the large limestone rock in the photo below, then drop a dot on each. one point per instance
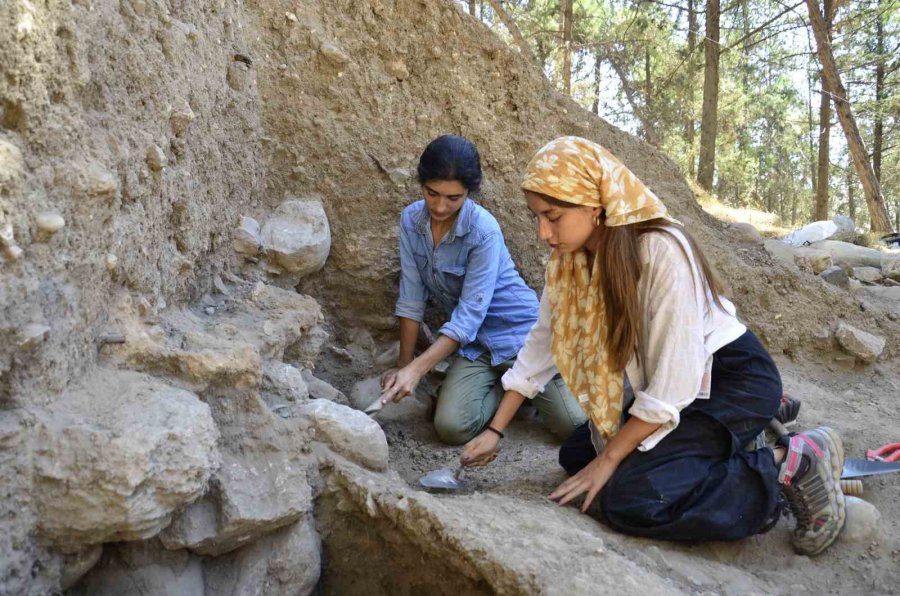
(319, 389)
(868, 274)
(287, 561)
(245, 238)
(865, 346)
(816, 261)
(144, 568)
(781, 252)
(349, 432)
(297, 236)
(282, 382)
(116, 455)
(887, 295)
(836, 276)
(202, 352)
(846, 229)
(849, 255)
(890, 267)
(261, 486)
(76, 565)
(745, 233)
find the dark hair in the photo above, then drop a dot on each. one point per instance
(450, 157)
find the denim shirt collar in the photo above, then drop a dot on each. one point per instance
(463, 221)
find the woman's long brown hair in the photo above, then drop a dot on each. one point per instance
(620, 272)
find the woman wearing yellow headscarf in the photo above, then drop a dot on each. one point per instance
(629, 295)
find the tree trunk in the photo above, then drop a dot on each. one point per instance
(851, 202)
(822, 172)
(598, 61)
(878, 215)
(689, 124)
(513, 29)
(709, 122)
(812, 144)
(472, 7)
(565, 45)
(878, 125)
(638, 110)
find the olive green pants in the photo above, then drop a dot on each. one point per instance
(471, 394)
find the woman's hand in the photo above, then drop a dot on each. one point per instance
(591, 479)
(402, 383)
(387, 379)
(481, 450)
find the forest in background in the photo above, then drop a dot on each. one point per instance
(784, 106)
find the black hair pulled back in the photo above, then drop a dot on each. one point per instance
(451, 157)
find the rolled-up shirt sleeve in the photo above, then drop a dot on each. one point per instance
(675, 359)
(534, 366)
(411, 301)
(482, 268)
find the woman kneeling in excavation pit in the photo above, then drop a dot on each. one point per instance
(628, 293)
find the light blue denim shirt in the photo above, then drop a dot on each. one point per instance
(471, 275)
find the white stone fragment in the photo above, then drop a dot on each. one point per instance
(297, 237)
(890, 267)
(284, 381)
(156, 158)
(181, 117)
(50, 222)
(32, 335)
(245, 238)
(868, 274)
(863, 522)
(349, 432)
(865, 346)
(333, 54)
(815, 260)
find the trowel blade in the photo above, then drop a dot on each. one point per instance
(857, 468)
(374, 407)
(445, 479)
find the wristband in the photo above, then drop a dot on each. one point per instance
(494, 430)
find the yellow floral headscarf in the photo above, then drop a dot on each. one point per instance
(581, 172)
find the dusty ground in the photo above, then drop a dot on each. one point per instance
(858, 401)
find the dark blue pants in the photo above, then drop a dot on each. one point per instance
(699, 483)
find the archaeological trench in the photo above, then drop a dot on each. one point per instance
(198, 224)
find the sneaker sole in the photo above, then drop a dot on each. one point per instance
(836, 452)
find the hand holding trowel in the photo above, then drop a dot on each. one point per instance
(395, 385)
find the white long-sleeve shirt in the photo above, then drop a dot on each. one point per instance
(682, 329)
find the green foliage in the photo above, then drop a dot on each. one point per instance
(632, 64)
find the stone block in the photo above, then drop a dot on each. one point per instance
(116, 456)
(865, 346)
(297, 236)
(349, 432)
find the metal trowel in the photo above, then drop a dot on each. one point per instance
(443, 479)
(858, 468)
(374, 407)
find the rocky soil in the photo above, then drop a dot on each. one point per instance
(198, 223)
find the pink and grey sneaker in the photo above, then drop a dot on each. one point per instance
(810, 480)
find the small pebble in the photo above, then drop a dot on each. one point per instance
(156, 158)
(32, 334)
(210, 310)
(50, 222)
(863, 521)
